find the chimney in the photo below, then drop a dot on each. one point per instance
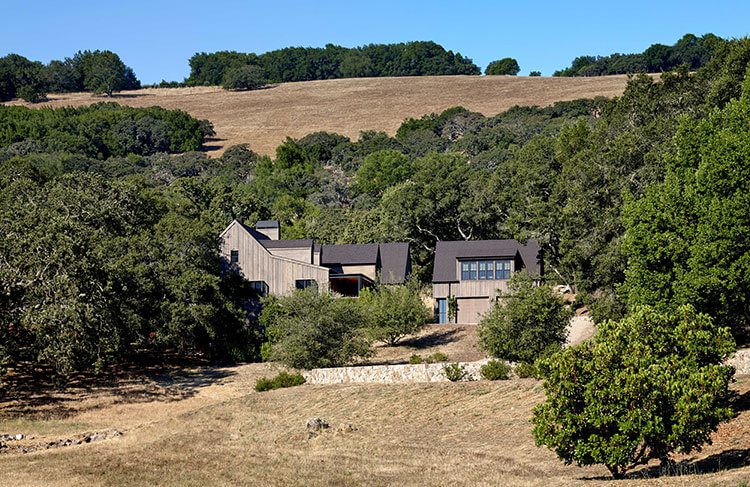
(269, 228)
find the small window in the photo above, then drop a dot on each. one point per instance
(305, 283)
(502, 269)
(260, 287)
(234, 256)
(482, 270)
(465, 276)
(473, 271)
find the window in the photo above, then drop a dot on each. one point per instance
(502, 269)
(485, 270)
(260, 287)
(234, 256)
(305, 283)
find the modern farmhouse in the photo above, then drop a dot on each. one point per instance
(473, 273)
(276, 266)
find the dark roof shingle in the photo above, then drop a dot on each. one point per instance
(394, 259)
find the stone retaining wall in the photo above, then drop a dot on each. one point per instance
(413, 373)
(388, 374)
(741, 361)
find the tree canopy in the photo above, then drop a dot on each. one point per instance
(506, 66)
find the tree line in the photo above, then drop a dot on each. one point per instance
(417, 58)
(690, 50)
(101, 72)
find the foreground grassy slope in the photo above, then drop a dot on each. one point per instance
(347, 106)
(210, 428)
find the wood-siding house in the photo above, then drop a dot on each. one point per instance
(475, 272)
(275, 266)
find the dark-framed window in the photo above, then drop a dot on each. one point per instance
(305, 283)
(260, 286)
(485, 269)
(234, 256)
(502, 269)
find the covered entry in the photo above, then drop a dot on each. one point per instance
(349, 284)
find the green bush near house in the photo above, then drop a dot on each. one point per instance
(393, 312)
(309, 329)
(436, 357)
(526, 370)
(283, 379)
(495, 370)
(415, 359)
(529, 322)
(455, 372)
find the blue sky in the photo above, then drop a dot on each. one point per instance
(156, 38)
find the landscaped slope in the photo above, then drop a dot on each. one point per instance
(264, 118)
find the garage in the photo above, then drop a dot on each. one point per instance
(470, 310)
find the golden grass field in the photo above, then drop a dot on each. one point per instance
(207, 426)
(264, 118)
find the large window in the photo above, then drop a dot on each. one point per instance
(485, 270)
(260, 286)
(305, 283)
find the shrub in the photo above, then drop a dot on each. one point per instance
(415, 359)
(309, 329)
(529, 322)
(526, 370)
(243, 78)
(507, 66)
(393, 312)
(535, 73)
(646, 386)
(495, 370)
(436, 358)
(455, 372)
(283, 379)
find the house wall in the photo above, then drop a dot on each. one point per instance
(302, 254)
(257, 264)
(366, 270)
(473, 298)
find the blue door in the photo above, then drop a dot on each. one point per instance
(442, 311)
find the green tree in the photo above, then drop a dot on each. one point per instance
(394, 311)
(381, 170)
(104, 72)
(644, 387)
(535, 73)
(507, 66)
(243, 78)
(309, 329)
(526, 323)
(683, 236)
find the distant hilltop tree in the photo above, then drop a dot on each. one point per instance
(505, 66)
(690, 50)
(243, 78)
(331, 62)
(535, 73)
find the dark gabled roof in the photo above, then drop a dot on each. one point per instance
(268, 224)
(349, 254)
(394, 259)
(446, 254)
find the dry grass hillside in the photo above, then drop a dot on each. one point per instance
(207, 426)
(264, 118)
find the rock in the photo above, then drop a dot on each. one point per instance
(346, 428)
(19, 437)
(315, 426)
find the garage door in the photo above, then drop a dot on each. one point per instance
(470, 310)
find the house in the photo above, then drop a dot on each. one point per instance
(474, 272)
(276, 266)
